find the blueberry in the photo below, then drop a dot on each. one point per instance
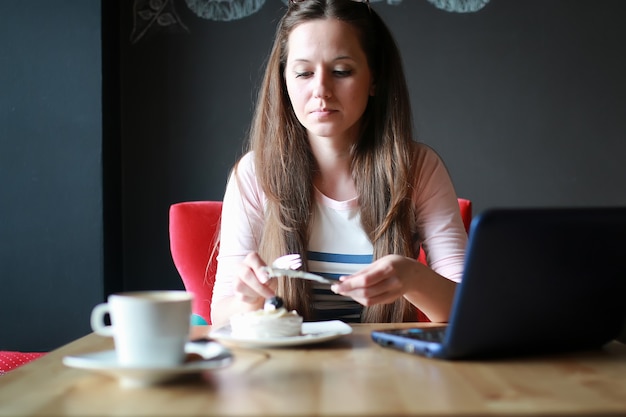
(277, 302)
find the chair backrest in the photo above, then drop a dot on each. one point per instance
(465, 206)
(193, 228)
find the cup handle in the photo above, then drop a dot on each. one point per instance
(97, 320)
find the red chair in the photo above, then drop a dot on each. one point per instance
(465, 206)
(10, 360)
(193, 229)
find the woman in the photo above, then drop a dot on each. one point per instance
(333, 174)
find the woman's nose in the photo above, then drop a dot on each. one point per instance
(322, 87)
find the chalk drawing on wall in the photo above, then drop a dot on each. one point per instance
(459, 6)
(154, 15)
(224, 10)
(391, 2)
(150, 16)
(227, 10)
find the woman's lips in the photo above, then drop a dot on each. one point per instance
(323, 112)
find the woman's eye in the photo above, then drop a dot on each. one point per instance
(342, 73)
(301, 74)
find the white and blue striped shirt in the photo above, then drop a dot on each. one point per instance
(337, 246)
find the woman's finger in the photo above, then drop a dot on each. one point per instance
(251, 282)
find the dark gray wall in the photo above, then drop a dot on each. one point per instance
(50, 171)
(525, 100)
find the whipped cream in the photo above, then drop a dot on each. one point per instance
(268, 323)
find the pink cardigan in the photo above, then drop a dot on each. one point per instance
(439, 221)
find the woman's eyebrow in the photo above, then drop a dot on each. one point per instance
(339, 58)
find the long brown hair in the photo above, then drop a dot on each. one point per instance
(382, 159)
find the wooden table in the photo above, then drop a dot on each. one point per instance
(348, 376)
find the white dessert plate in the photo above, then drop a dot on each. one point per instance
(212, 356)
(312, 332)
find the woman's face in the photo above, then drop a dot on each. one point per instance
(328, 79)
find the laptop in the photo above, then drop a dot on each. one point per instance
(536, 281)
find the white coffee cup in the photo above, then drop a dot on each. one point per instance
(150, 328)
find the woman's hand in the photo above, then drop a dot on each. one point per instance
(251, 284)
(381, 282)
(395, 276)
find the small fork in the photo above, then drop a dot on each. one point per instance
(290, 261)
(286, 265)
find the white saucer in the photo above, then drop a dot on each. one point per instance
(312, 332)
(213, 354)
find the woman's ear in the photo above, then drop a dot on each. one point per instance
(373, 89)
